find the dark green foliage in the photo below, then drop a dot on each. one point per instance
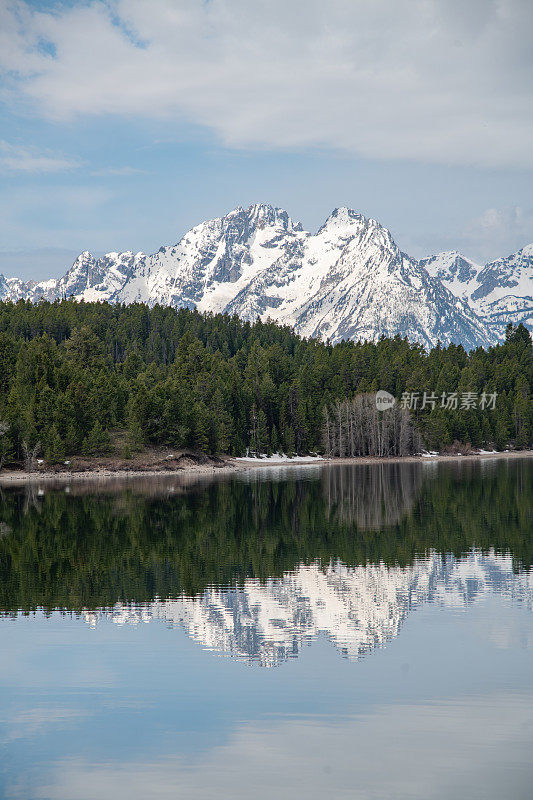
(97, 442)
(72, 373)
(54, 448)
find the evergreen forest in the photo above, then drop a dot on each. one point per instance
(76, 378)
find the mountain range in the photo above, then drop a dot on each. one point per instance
(349, 280)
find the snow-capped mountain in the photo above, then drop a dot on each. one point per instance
(350, 281)
(456, 272)
(356, 608)
(347, 281)
(499, 292)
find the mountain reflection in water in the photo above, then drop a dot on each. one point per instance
(357, 608)
(257, 568)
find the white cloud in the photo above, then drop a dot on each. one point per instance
(118, 172)
(433, 80)
(37, 720)
(477, 747)
(16, 158)
(498, 230)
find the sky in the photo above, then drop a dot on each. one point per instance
(123, 123)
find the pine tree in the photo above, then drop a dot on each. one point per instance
(54, 448)
(262, 442)
(287, 438)
(72, 439)
(487, 437)
(97, 442)
(135, 437)
(275, 439)
(501, 433)
(201, 427)
(5, 443)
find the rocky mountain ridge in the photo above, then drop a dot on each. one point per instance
(499, 292)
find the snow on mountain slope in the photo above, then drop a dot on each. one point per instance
(15, 288)
(213, 261)
(505, 292)
(358, 608)
(347, 281)
(350, 281)
(456, 272)
(88, 279)
(97, 279)
(500, 292)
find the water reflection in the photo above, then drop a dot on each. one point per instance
(376, 497)
(477, 748)
(433, 561)
(357, 608)
(258, 568)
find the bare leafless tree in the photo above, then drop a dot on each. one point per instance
(30, 454)
(4, 427)
(357, 428)
(327, 433)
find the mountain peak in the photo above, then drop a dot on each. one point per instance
(526, 252)
(347, 218)
(343, 215)
(263, 214)
(452, 268)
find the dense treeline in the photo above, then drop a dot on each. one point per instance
(73, 375)
(67, 551)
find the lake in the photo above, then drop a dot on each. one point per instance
(303, 632)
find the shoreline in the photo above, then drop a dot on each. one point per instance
(233, 466)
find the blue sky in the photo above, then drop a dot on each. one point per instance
(125, 122)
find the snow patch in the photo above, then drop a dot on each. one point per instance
(279, 458)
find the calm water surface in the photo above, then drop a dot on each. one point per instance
(321, 632)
